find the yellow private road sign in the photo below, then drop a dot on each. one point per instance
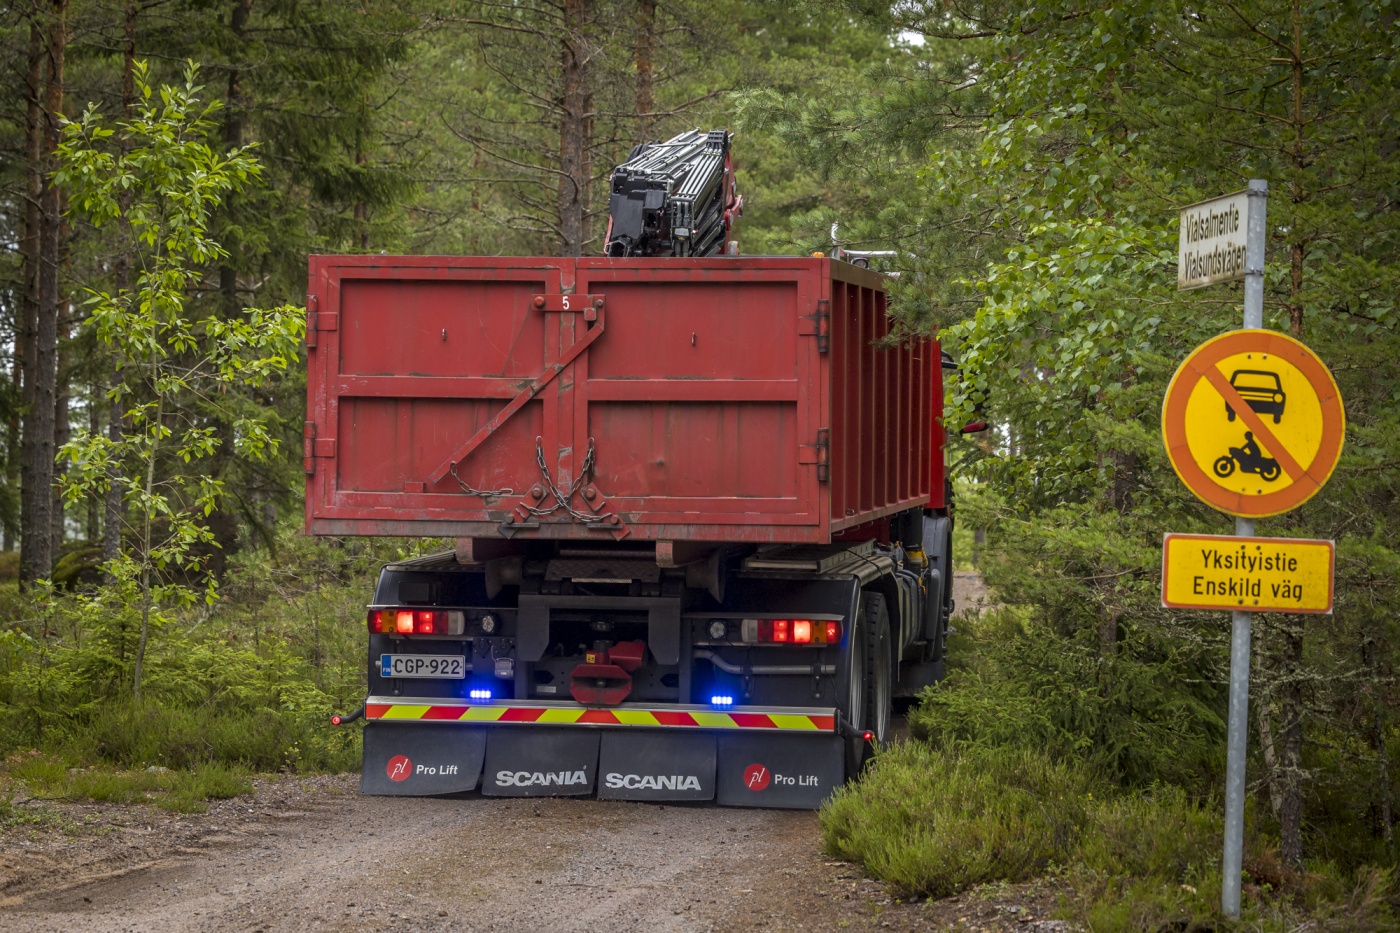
(1253, 423)
(1255, 574)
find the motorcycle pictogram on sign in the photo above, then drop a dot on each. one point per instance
(1253, 423)
(1250, 460)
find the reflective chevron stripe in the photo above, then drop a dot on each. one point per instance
(620, 716)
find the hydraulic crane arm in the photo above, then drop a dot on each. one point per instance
(674, 198)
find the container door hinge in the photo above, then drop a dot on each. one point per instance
(314, 447)
(818, 324)
(819, 454)
(317, 321)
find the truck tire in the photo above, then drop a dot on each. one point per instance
(879, 666)
(856, 693)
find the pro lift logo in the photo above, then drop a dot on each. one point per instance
(399, 768)
(757, 777)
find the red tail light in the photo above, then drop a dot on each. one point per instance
(415, 622)
(791, 632)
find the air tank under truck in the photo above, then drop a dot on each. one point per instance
(701, 523)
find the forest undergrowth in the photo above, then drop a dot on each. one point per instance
(244, 685)
(1041, 759)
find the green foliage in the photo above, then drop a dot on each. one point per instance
(1033, 195)
(1029, 689)
(246, 684)
(935, 823)
(161, 184)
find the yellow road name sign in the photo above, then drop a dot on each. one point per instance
(1253, 574)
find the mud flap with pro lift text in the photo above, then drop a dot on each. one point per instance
(781, 771)
(418, 759)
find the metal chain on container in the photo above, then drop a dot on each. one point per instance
(471, 490)
(564, 500)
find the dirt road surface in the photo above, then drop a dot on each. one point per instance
(311, 854)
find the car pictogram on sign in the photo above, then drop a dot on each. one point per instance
(1261, 391)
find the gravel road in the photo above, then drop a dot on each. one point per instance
(310, 854)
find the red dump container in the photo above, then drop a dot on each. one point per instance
(720, 399)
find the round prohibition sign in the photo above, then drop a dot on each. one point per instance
(1253, 423)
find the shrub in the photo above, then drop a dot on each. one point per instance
(936, 821)
(1125, 713)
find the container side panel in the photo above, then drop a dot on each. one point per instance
(870, 435)
(842, 449)
(703, 330)
(938, 431)
(394, 443)
(725, 399)
(437, 328)
(881, 445)
(697, 449)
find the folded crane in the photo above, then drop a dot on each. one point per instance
(674, 198)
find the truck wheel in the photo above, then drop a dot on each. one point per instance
(879, 666)
(853, 702)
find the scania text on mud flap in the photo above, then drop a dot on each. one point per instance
(703, 530)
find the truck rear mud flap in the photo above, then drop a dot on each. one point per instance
(735, 770)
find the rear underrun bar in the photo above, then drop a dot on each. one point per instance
(532, 712)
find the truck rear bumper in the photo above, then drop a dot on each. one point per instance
(750, 758)
(537, 712)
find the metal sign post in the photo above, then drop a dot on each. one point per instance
(1223, 389)
(1240, 622)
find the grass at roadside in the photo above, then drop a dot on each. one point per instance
(47, 777)
(242, 685)
(936, 822)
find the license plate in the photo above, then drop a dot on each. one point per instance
(445, 666)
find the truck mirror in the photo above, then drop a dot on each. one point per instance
(974, 427)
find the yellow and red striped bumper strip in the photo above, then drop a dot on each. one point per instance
(569, 715)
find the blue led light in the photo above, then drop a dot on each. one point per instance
(721, 701)
(479, 694)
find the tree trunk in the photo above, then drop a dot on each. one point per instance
(36, 559)
(147, 600)
(1370, 657)
(92, 521)
(1291, 751)
(361, 205)
(643, 55)
(62, 430)
(25, 364)
(112, 526)
(573, 113)
(1263, 711)
(233, 138)
(1291, 653)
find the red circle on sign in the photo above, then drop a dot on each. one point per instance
(1194, 369)
(399, 768)
(756, 777)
